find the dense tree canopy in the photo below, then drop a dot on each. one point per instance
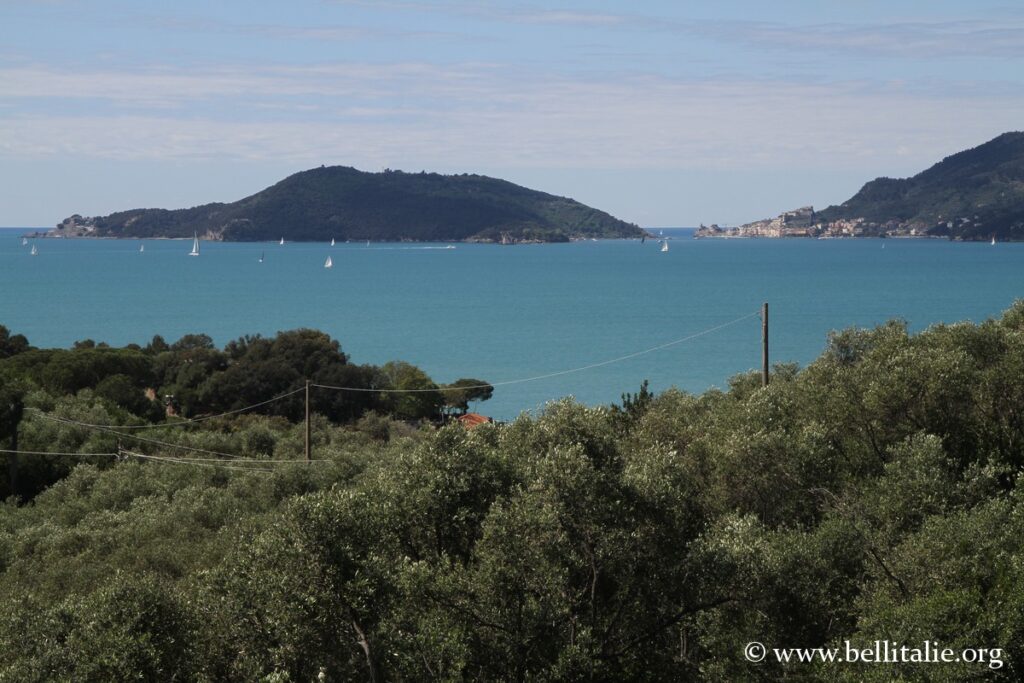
(972, 195)
(162, 383)
(869, 496)
(338, 202)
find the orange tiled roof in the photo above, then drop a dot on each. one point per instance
(470, 420)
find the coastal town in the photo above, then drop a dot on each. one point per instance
(804, 222)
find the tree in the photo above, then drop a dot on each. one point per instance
(460, 393)
(122, 391)
(12, 409)
(11, 345)
(416, 396)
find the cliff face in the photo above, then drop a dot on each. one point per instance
(344, 203)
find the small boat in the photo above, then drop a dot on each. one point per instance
(24, 242)
(34, 252)
(332, 241)
(195, 245)
(142, 248)
(282, 242)
(664, 246)
(328, 263)
(261, 257)
(450, 246)
(993, 239)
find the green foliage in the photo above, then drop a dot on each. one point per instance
(129, 628)
(416, 397)
(978, 191)
(460, 393)
(11, 344)
(344, 203)
(870, 496)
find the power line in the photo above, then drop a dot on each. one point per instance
(52, 453)
(255, 461)
(155, 442)
(193, 462)
(203, 418)
(114, 429)
(231, 464)
(550, 374)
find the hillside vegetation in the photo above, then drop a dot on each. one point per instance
(343, 203)
(869, 496)
(974, 194)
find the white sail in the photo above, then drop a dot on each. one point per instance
(142, 248)
(332, 241)
(282, 241)
(24, 242)
(993, 239)
(34, 252)
(664, 246)
(195, 245)
(328, 263)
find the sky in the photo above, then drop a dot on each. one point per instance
(663, 113)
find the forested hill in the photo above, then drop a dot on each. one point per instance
(971, 195)
(343, 203)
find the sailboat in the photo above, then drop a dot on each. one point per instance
(332, 241)
(195, 245)
(328, 263)
(993, 239)
(282, 242)
(664, 246)
(142, 248)
(261, 257)
(34, 252)
(24, 242)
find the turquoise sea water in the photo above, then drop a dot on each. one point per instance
(506, 313)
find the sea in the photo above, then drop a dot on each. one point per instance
(589, 319)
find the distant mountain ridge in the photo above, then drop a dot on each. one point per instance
(977, 194)
(972, 195)
(343, 203)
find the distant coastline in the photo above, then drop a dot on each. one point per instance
(44, 233)
(804, 223)
(976, 195)
(344, 204)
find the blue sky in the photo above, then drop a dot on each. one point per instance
(662, 113)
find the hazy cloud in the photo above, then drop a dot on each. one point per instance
(917, 40)
(519, 13)
(328, 32)
(426, 116)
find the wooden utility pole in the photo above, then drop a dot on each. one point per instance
(307, 421)
(764, 344)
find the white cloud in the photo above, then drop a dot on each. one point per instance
(518, 13)
(917, 40)
(426, 116)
